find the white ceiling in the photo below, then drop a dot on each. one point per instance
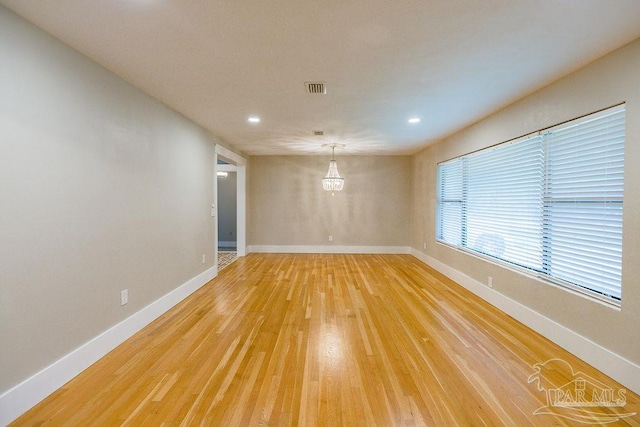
(450, 62)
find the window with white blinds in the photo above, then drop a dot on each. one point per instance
(550, 202)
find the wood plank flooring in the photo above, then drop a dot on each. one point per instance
(328, 340)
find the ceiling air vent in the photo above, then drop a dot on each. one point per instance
(316, 87)
(318, 133)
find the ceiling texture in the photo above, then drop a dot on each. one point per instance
(448, 62)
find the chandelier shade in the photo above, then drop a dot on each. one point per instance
(333, 181)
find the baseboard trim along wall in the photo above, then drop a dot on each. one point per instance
(329, 249)
(17, 400)
(620, 369)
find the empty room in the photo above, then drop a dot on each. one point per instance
(410, 213)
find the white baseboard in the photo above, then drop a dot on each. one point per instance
(617, 367)
(328, 249)
(17, 400)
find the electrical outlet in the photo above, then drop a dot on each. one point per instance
(124, 296)
(490, 282)
(330, 238)
(203, 258)
(424, 245)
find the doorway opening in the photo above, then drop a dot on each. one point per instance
(227, 215)
(230, 197)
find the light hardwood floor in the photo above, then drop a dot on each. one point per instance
(371, 340)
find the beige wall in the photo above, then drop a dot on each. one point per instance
(289, 206)
(102, 188)
(606, 82)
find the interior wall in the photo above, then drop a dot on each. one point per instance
(608, 81)
(227, 208)
(102, 188)
(290, 207)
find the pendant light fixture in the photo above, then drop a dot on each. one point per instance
(333, 182)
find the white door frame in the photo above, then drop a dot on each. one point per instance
(236, 164)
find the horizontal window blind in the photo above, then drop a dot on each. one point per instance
(551, 203)
(503, 202)
(450, 201)
(583, 202)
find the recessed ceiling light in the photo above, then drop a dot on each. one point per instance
(414, 120)
(253, 119)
